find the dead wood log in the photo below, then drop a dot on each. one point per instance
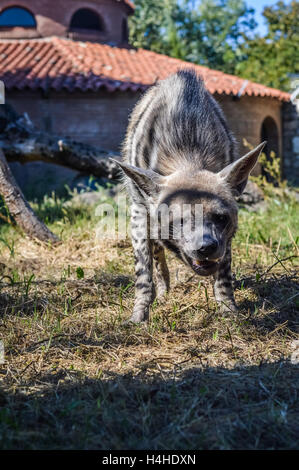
(19, 207)
(21, 141)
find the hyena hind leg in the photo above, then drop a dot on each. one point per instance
(161, 270)
(223, 286)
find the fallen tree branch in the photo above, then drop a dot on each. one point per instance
(22, 142)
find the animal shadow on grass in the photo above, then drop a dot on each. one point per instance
(252, 407)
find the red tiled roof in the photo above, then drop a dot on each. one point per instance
(63, 64)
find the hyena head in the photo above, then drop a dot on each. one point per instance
(194, 213)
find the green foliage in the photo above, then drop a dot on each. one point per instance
(222, 25)
(80, 273)
(153, 26)
(220, 34)
(208, 33)
(272, 169)
(9, 245)
(272, 58)
(145, 25)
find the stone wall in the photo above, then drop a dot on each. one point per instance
(53, 18)
(246, 116)
(290, 114)
(101, 119)
(97, 118)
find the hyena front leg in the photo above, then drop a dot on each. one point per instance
(223, 288)
(161, 270)
(142, 246)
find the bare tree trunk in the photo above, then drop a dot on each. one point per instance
(19, 207)
(22, 142)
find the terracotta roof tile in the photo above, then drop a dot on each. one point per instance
(57, 63)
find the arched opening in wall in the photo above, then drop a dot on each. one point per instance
(86, 20)
(17, 16)
(124, 31)
(269, 132)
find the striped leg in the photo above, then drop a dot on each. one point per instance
(223, 288)
(161, 270)
(142, 247)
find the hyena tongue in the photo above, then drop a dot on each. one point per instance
(205, 262)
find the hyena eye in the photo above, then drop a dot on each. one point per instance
(220, 219)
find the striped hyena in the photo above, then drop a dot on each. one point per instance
(179, 151)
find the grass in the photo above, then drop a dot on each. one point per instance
(75, 378)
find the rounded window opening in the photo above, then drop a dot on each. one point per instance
(269, 132)
(86, 20)
(17, 16)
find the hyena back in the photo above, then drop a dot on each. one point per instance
(179, 152)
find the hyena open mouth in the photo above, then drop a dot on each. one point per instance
(179, 151)
(204, 267)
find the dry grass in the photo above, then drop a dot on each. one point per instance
(76, 378)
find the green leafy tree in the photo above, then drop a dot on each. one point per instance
(222, 27)
(150, 22)
(271, 59)
(209, 32)
(221, 34)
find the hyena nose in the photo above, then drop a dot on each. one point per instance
(208, 247)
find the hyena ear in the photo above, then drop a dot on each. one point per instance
(147, 180)
(236, 174)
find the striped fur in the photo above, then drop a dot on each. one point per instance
(179, 150)
(179, 121)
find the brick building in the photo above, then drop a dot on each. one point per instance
(69, 65)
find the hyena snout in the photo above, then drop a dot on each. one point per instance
(209, 247)
(205, 247)
(204, 258)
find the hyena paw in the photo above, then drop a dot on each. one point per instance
(161, 291)
(138, 316)
(227, 307)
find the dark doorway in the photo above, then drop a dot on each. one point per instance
(269, 132)
(125, 32)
